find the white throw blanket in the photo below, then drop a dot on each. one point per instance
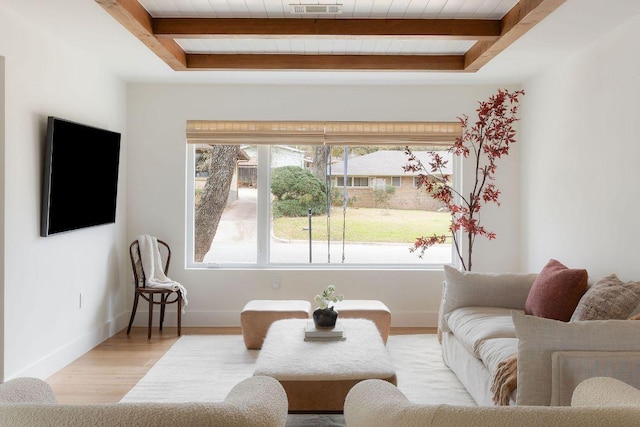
(153, 268)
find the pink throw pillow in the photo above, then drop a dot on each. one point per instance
(556, 292)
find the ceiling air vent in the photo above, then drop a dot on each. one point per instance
(316, 9)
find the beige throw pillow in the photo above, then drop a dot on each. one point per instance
(471, 289)
(608, 298)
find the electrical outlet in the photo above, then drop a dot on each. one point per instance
(275, 282)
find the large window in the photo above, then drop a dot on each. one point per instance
(266, 204)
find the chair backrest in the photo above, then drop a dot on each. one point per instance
(136, 264)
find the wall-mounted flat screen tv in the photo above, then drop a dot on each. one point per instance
(80, 177)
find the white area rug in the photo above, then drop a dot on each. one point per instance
(204, 368)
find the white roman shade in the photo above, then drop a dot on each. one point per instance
(319, 133)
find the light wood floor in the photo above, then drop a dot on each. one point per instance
(107, 372)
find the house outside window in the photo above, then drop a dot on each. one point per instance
(371, 221)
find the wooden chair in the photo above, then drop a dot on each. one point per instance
(149, 294)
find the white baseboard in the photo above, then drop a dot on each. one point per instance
(61, 357)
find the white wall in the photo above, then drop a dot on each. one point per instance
(580, 159)
(157, 116)
(44, 327)
(2, 128)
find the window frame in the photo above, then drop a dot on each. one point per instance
(341, 178)
(351, 181)
(307, 132)
(359, 179)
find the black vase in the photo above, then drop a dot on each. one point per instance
(325, 318)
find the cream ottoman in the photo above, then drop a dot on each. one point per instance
(373, 310)
(317, 375)
(258, 315)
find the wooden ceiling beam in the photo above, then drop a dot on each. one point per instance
(492, 36)
(520, 19)
(325, 62)
(137, 20)
(451, 29)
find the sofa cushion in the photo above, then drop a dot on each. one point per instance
(540, 338)
(556, 291)
(495, 350)
(608, 298)
(473, 325)
(470, 289)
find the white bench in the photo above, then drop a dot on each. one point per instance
(258, 315)
(373, 310)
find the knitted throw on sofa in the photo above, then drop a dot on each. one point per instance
(505, 379)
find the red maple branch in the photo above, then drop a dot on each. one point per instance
(487, 139)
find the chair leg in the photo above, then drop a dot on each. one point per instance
(163, 305)
(179, 313)
(133, 311)
(150, 315)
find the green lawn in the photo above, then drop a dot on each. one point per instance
(367, 225)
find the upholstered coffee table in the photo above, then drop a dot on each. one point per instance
(317, 375)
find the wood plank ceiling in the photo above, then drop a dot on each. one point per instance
(425, 35)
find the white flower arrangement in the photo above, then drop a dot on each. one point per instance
(327, 297)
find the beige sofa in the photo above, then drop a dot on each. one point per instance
(596, 402)
(483, 323)
(29, 402)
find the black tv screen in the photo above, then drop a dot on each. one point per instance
(80, 177)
